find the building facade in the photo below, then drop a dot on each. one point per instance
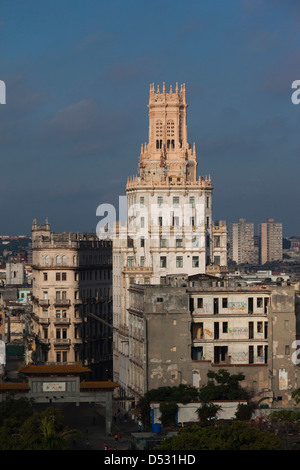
(169, 227)
(242, 242)
(270, 241)
(195, 324)
(72, 300)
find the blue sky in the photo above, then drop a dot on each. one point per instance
(77, 75)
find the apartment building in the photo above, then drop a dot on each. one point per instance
(180, 331)
(242, 242)
(270, 241)
(72, 299)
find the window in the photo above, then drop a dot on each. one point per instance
(207, 222)
(192, 202)
(142, 242)
(179, 261)
(287, 350)
(63, 276)
(159, 299)
(58, 276)
(130, 261)
(175, 221)
(142, 201)
(200, 302)
(45, 276)
(192, 221)
(217, 240)
(175, 201)
(259, 327)
(224, 302)
(142, 261)
(160, 221)
(142, 222)
(217, 260)
(147, 280)
(251, 355)
(178, 242)
(195, 262)
(162, 242)
(225, 327)
(163, 280)
(195, 242)
(159, 201)
(163, 261)
(260, 351)
(259, 302)
(207, 202)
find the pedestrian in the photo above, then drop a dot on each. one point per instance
(116, 437)
(121, 437)
(105, 446)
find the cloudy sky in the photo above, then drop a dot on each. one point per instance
(77, 75)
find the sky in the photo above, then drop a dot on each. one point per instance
(77, 76)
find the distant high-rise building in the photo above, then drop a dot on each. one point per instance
(270, 241)
(242, 242)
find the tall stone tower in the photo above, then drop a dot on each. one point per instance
(169, 227)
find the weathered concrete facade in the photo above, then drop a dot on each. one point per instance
(200, 323)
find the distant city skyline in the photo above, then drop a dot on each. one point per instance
(77, 78)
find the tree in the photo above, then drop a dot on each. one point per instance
(207, 413)
(244, 411)
(222, 436)
(223, 386)
(296, 395)
(35, 431)
(285, 421)
(52, 439)
(168, 411)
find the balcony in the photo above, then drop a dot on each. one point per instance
(62, 302)
(62, 342)
(44, 341)
(62, 321)
(44, 302)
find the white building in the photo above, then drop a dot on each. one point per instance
(169, 225)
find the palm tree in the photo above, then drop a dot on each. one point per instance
(53, 439)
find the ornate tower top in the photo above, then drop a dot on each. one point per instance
(167, 158)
